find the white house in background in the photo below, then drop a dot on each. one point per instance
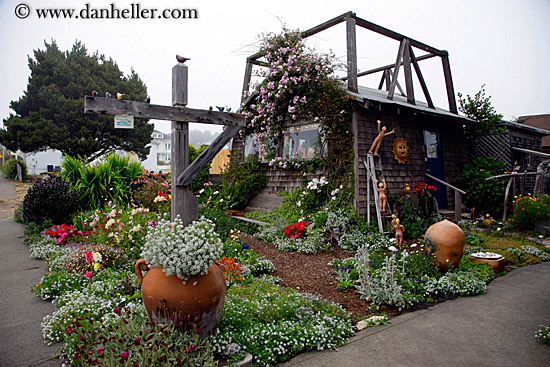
(164, 152)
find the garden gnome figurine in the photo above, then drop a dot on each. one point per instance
(398, 229)
(378, 140)
(382, 199)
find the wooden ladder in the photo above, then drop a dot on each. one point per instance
(371, 178)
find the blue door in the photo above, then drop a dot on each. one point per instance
(434, 165)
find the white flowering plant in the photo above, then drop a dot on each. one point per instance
(182, 251)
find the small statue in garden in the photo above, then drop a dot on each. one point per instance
(398, 229)
(378, 140)
(382, 199)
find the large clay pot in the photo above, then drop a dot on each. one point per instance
(167, 299)
(445, 240)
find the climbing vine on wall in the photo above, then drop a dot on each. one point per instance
(298, 85)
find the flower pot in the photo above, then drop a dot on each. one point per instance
(445, 240)
(167, 299)
(235, 213)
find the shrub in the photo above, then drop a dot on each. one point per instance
(225, 223)
(240, 182)
(279, 322)
(51, 199)
(204, 175)
(146, 188)
(109, 180)
(9, 169)
(527, 211)
(79, 260)
(543, 334)
(125, 337)
(56, 284)
(484, 196)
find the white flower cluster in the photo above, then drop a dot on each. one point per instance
(460, 283)
(531, 250)
(45, 248)
(273, 326)
(269, 233)
(316, 184)
(183, 251)
(337, 220)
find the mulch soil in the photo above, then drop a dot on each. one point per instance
(311, 274)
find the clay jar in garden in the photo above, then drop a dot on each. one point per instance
(445, 241)
(167, 299)
(183, 283)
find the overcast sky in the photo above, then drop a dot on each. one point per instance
(504, 44)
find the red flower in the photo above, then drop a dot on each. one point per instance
(124, 355)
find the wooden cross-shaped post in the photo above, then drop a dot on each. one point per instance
(184, 203)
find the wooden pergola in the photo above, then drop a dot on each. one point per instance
(405, 57)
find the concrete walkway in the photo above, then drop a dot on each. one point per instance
(21, 312)
(495, 329)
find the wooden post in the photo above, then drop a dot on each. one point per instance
(184, 203)
(458, 207)
(449, 84)
(391, 91)
(353, 85)
(408, 73)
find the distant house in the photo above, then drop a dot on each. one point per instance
(541, 122)
(164, 150)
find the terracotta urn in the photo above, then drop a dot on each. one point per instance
(445, 241)
(167, 299)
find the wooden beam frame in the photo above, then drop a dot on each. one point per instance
(150, 111)
(408, 73)
(449, 83)
(351, 40)
(421, 78)
(396, 69)
(209, 153)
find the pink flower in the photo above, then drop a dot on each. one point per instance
(100, 350)
(88, 274)
(89, 257)
(124, 355)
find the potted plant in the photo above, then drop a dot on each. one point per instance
(183, 283)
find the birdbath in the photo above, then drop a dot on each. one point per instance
(495, 261)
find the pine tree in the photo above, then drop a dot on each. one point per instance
(50, 114)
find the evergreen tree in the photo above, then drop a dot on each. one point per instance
(50, 114)
(479, 109)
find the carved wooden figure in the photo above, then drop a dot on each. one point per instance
(378, 140)
(398, 229)
(382, 199)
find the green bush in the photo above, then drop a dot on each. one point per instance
(485, 196)
(9, 169)
(240, 182)
(51, 199)
(225, 223)
(527, 211)
(204, 175)
(108, 180)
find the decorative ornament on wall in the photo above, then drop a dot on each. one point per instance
(400, 150)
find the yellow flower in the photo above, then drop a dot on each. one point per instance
(96, 266)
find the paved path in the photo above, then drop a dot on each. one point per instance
(495, 329)
(21, 312)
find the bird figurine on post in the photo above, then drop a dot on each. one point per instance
(119, 95)
(220, 108)
(181, 59)
(210, 108)
(107, 95)
(94, 93)
(148, 99)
